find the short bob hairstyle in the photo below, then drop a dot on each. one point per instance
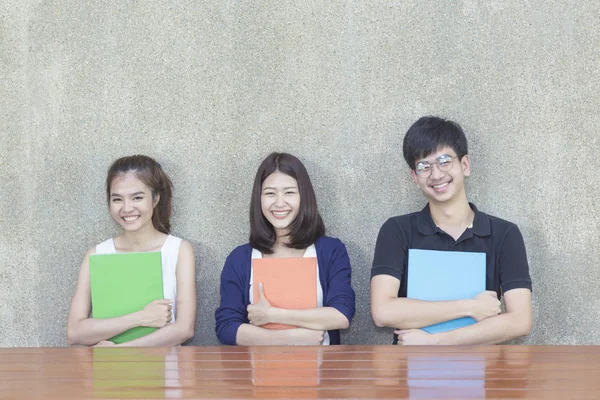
(428, 135)
(308, 225)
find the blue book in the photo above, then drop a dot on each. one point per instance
(445, 275)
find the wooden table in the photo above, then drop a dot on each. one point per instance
(490, 372)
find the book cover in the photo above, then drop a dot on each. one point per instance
(445, 275)
(124, 283)
(289, 283)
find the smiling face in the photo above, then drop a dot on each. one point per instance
(131, 202)
(280, 201)
(442, 186)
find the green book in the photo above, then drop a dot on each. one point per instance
(124, 283)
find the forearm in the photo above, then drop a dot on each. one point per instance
(90, 331)
(170, 335)
(250, 335)
(321, 318)
(493, 330)
(403, 313)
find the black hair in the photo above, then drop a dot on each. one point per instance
(308, 225)
(428, 135)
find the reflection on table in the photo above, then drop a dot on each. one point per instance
(492, 372)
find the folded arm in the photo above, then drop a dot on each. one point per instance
(387, 309)
(323, 318)
(250, 335)
(515, 281)
(338, 302)
(83, 330)
(515, 322)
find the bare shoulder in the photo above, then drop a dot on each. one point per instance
(86, 257)
(186, 263)
(186, 247)
(186, 254)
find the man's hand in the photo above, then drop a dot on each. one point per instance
(485, 305)
(415, 337)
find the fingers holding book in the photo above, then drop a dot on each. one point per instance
(485, 305)
(260, 313)
(157, 314)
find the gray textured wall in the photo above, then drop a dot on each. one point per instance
(209, 88)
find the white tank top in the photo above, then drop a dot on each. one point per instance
(310, 251)
(169, 253)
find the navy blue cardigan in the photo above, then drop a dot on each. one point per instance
(334, 275)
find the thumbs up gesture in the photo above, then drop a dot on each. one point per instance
(260, 313)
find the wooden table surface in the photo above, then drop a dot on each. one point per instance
(487, 372)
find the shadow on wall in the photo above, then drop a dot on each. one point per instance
(207, 287)
(535, 240)
(363, 329)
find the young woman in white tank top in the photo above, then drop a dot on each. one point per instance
(139, 197)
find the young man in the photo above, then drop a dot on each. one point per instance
(436, 152)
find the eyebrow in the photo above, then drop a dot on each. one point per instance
(435, 159)
(285, 188)
(133, 194)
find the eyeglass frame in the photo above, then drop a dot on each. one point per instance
(436, 162)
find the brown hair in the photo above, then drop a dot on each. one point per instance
(308, 225)
(152, 175)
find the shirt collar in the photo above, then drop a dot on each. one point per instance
(481, 222)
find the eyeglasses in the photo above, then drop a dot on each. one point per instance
(444, 164)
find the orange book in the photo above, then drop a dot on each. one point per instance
(287, 283)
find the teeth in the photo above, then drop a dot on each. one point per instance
(281, 213)
(131, 218)
(441, 185)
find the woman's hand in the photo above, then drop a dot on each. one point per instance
(105, 343)
(306, 337)
(260, 313)
(156, 314)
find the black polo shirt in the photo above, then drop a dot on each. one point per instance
(500, 240)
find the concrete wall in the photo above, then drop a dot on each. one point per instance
(209, 88)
